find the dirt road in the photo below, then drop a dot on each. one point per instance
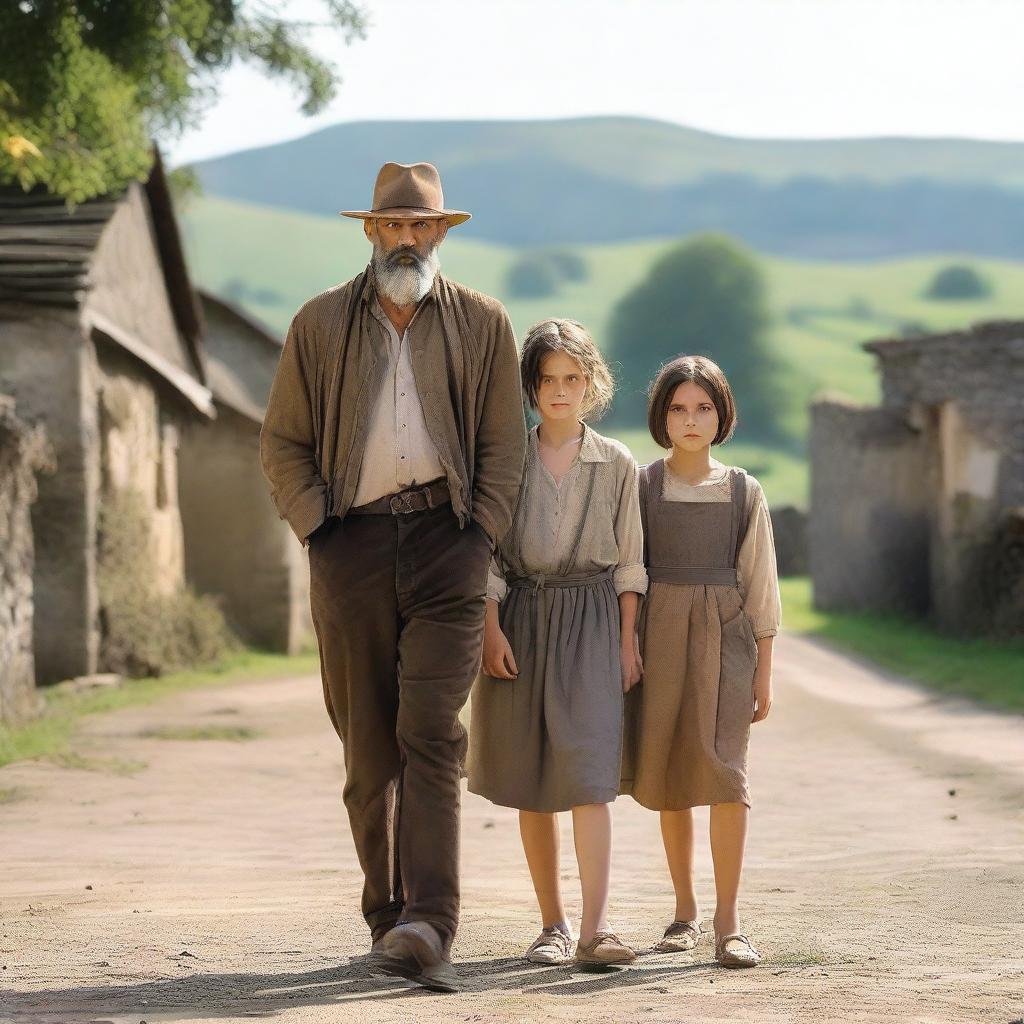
(161, 876)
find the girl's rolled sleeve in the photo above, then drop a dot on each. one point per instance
(497, 588)
(630, 574)
(757, 573)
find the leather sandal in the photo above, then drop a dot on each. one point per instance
(604, 948)
(552, 946)
(742, 953)
(679, 937)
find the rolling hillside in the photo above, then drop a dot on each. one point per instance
(272, 260)
(611, 179)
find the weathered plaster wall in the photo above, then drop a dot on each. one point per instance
(236, 546)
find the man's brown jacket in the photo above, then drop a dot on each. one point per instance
(331, 373)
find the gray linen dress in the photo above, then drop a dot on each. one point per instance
(551, 739)
(688, 722)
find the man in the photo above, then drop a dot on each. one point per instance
(394, 443)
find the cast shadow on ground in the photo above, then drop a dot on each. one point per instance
(213, 996)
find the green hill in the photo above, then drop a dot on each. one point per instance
(272, 260)
(606, 179)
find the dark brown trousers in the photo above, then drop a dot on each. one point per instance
(398, 607)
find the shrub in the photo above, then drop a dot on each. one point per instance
(144, 632)
(957, 282)
(532, 277)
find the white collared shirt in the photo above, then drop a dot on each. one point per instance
(399, 451)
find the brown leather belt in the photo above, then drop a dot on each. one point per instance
(413, 499)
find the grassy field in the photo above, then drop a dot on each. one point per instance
(48, 735)
(821, 311)
(989, 672)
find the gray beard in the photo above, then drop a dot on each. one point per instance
(405, 285)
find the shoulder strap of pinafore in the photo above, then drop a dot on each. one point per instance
(739, 510)
(650, 490)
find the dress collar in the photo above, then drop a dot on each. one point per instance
(591, 449)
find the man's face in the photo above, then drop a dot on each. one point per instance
(405, 257)
(404, 243)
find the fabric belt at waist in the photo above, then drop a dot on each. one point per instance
(412, 499)
(691, 574)
(542, 582)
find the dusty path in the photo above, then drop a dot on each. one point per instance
(185, 879)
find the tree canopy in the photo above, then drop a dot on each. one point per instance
(86, 84)
(703, 297)
(957, 281)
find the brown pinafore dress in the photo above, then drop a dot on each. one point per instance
(688, 722)
(551, 739)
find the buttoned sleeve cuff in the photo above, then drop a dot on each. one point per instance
(630, 578)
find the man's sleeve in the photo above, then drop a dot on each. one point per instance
(287, 446)
(501, 435)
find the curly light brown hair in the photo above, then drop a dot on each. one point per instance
(705, 373)
(572, 338)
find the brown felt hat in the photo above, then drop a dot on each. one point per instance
(408, 192)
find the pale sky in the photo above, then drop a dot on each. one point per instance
(768, 68)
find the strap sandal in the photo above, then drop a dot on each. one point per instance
(604, 948)
(680, 937)
(736, 950)
(552, 946)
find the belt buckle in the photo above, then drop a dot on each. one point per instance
(399, 504)
(402, 504)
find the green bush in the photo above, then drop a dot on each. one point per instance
(538, 274)
(958, 282)
(569, 264)
(706, 296)
(144, 632)
(532, 277)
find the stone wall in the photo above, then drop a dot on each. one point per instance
(23, 452)
(44, 365)
(236, 546)
(966, 389)
(789, 528)
(139, 455)
(868, 535)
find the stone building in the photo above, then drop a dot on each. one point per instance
(23, 453)
(100, 341)
(917, 505)
(236, 546)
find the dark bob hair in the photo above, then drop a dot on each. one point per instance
(705, 373)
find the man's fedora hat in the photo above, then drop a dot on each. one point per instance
(408, 192)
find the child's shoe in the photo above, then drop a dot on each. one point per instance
(736, 950)
(604, 948)
(552, 946)
(680, 937)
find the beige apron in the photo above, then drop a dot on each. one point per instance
(688, 722)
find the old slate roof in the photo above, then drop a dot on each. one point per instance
(47, 251)
(242, 354)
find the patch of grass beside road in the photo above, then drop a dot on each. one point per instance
(48, 735)
(988, 671)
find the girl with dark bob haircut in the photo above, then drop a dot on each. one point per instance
(707, 375)
(706, 634)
